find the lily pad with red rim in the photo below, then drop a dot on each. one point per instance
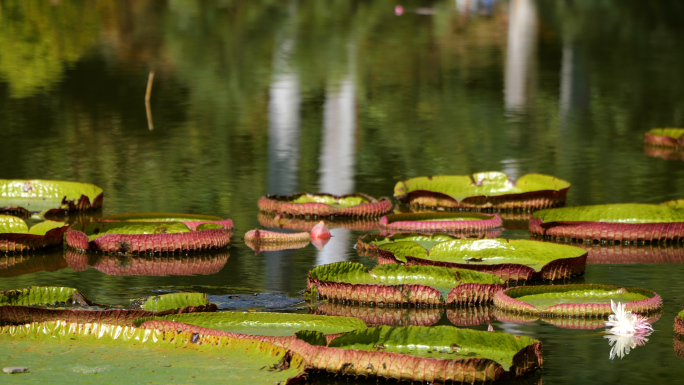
(146, 237)
(16, 236)
(518, 260)
(358, 205)
(351, 282)
(46, 197)
(265, 323)
(432, 354)
(445, 222)
(60, 352)
(483, 190)
(580, 300)
(679, 323)
(668, 137)
(624, 222)
(193, 221)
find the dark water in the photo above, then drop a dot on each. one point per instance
(276, 97)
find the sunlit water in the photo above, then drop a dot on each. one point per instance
(252, 98)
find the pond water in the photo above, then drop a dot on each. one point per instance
(276, 97)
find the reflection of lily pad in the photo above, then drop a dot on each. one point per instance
(297, 223)
(149, 265)
(389, 316)
(432, 354)
(584, 300)
(15, 264)
(192, 221)
(471, 315)
(140, 237)
(439, 222)
(47, 196)
(651, 253)
(519, 260)
(668, 137)
(59, 352)
(613, 222)
(266, 323)
(351, 282)
(16, 236)
(483, 190)
(360, 205)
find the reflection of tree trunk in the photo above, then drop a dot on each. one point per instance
(521, 64)
(337, 158)
(574, 88)
(283, 144)
(283, 134)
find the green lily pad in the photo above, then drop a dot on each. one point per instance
(509, 259)
(368, 244)
(675, 204)
(64, 353)
(482, 190)
(575, 300)
(443, 353)
(334, 201)
(358, 205)
(669, 137)
(42, 295)
(43, 196)
(439, 222)
(98, 229)
(141, 237)
(615, 222)
(679, 323)
(193, 221)
(12, 224)
(164, 302)
(265, 324)
(16, 236)
(393, 283)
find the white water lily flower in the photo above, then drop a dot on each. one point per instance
(625, 323)
(621, 344)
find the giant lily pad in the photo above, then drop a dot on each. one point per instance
(582, 300)
(48, 196)
(439, 222)
(369, 244)
(669, 137)
(360, 205)
(679, 323)
(483, 190)
(351, 282)
(265, 324)
(149, 265)
(519, 260)
(389, 316)
(16, 236)
(193, 221)
(20, 307)
(60, 352)
(434, 354)
(43, 295)
(613, 222)
(141, 237)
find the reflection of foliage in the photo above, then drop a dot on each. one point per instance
(39, 40)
